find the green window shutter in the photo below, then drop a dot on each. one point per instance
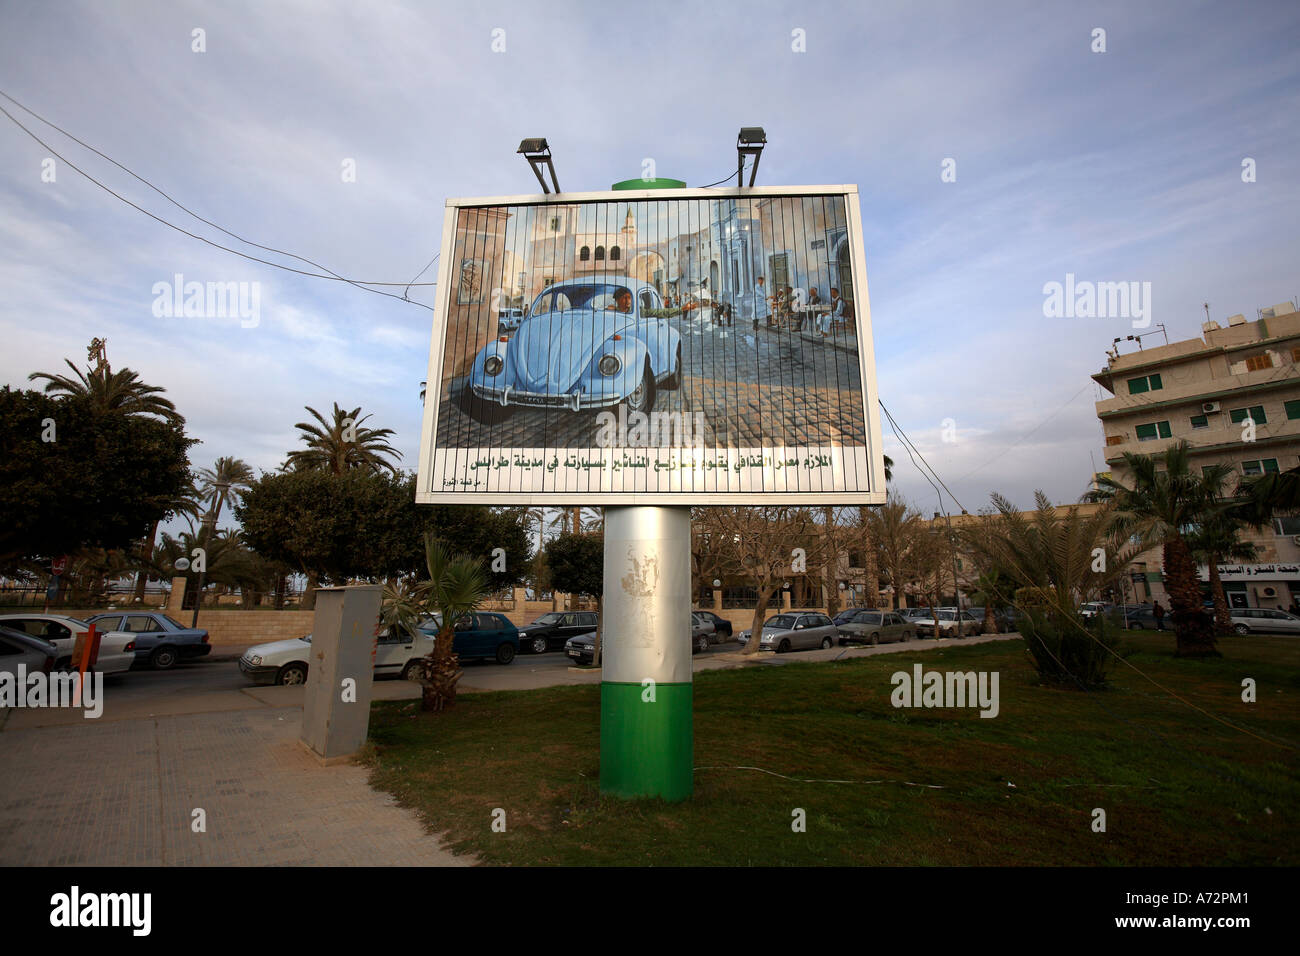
(1200, 421)
(1146, 432)
(1136, 386)
(1270, 465)
(1155, 382)
(1237, 415)
(1164, 430)
(1257, 414)
(1293, 409)
(1249, 468)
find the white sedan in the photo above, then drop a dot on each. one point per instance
(116, 649)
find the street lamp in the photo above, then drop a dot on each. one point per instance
(538, 154)
(749, 142)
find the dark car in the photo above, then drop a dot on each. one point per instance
(1005, 621)
(721, 626)
(159, 640)
(849, 612)
(553, 629)
(480, 635)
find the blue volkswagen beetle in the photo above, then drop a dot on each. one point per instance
(582, 344)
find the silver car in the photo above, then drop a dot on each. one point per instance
(795, 631)
(32, 653)
(875, 627)
(1256, 620)
(948, 619)
(702, 632)
(116, 649)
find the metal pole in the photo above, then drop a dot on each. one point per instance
(646, 735)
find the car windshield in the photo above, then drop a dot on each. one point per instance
(593, 296)
(305, 637)
(549, 619)
(784, 621)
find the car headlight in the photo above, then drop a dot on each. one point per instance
(767, 638)
(493, 365)
(255, 660)
(609, 364)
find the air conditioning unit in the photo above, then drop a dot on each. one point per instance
(1208, 407)
(1270, 592)
(1295, 539)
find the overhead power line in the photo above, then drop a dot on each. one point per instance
(909, 448)
(334, 276)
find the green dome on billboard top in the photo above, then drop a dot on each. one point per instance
(639, 183)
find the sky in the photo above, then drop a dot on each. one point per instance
(1122, 164)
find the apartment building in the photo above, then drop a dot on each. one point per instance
(1234, 396)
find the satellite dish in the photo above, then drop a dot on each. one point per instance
(182, 564)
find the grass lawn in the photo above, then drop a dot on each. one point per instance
(1178, 788)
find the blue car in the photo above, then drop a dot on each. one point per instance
(159, 641)
(582, 344)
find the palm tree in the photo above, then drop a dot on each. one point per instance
(343, 444)
(1165, 507)
(456, 584)
(108, 391)
(226, 480)
(186, 503)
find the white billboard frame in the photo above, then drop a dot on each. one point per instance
(876, 495)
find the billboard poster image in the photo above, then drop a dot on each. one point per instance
(677, 346)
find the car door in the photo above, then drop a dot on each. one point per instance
(392, 650)
(1280, 622)
(891, 629)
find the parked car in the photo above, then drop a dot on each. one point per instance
(912, 613)
(477, 635)
(555, 628)
(582, 648)
(159, 641)
(845, 615)
(721, 626)
(1138, 617)
(1263, 620)
(948, 618)
(702, 631)
(116, 650)
(34, 654)
(1093, 608)
(508, 319)
(795, 631)
(582, 344)
(1002, 617)
(875, 627)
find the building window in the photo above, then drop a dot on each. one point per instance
(1265, 466)
(1114, 439)
(1153, 431)
(1295, 354)
(584, 253)
(1255, 413)
(615, 253)
(1146, 383)
(1287, 526)
(555, 224)
(1257, 363)
(1200, 421)
(1293, 409)
(600, 253)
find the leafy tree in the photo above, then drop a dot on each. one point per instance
(577, 566)
(186, 502)
(226, 480)
(99, 481)
(343, 444)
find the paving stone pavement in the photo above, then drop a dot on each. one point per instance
(123, 793)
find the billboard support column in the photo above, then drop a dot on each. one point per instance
(646, 732)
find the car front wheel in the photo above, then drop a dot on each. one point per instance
(413, 670)
(826, 643)
(295, 673)
(642, 398)
(538, 645)
(1241, 629)
(702, 643)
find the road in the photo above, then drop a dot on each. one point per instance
(215, 686)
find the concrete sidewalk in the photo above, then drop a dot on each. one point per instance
(123, 793)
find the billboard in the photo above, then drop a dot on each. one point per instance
(680, 346)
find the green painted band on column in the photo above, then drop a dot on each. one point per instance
(646, 749)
